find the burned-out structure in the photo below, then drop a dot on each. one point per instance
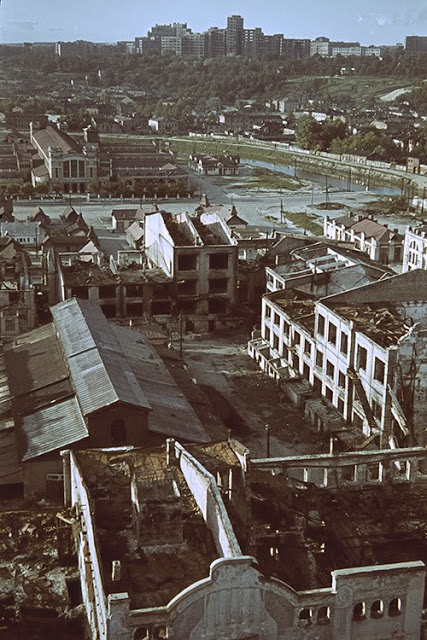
(199, 255)
(362, 351)
(203, 542)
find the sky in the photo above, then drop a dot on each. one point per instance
(366, 21)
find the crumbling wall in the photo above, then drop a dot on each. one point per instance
(410, 380)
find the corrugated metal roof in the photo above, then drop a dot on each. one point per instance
(35, 363)
(9, 460)
(51, 428)
(171, 414)
(100, 372)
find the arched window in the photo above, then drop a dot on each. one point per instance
(118, 432)
(359, 611)
(141, 633)
(395, 607)
(305, 617)
(324, 615)
(377, 609)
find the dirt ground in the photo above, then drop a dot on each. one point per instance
(245, 398)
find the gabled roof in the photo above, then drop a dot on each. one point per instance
(99, 370)
(373, 229)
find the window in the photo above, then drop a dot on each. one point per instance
(379, 370)
(276, 319)
(81, 169)
(107, 291)
(377, 609)
(321, 324)
(305, 618)
(217, 306)
(340, 406)
(73, 168)
(267, 334)
(218, 286)
(66, 169)
(324, 615)
(330, 369)
(218, 261)
(267, 311)
(395, 607)
(10, 325)
(359, 611)
(297, 337)
(275, 342)
(344, 343)
(307, 347)
(377, 410)
(319, 359)
(329, 394)
(362, 357)
(187, 262)
(118, 432)
(134, 290)
(187, 288)
(332, 333)
(341, 380)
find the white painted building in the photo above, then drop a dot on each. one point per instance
(367, 235)
(415, 248)
(364, 351)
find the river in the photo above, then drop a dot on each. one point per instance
(335, 184)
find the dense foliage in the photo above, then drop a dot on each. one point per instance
(223, 79)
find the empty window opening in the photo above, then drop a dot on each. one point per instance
(395, 607)
(187, 262)
(332, 333)
(305, 617)
(362, 358)
(379, 370)
(377, 609)
(359, 611)
(374, 472)
(218, 286)
(344, 343)
(324, 615)
(218, 261)
(348, 473)
(321, 325)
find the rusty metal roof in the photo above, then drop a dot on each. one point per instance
(99, 369)
(51, 428)
(9, 460)
(171, 414)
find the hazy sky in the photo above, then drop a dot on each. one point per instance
(369, 21)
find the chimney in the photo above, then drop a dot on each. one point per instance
(115, 570)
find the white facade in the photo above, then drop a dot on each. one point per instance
(415, 249)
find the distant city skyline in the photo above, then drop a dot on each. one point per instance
(379, 22)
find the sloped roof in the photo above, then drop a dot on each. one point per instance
(51, 428)
(99, 370)
(172, 414)
(373, 229)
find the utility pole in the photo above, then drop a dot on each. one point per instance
(326, 190)
(180, 334)
(281, 211)
(423, 201)
(267, 436)
(349, 180)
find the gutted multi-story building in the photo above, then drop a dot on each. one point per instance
(201, 541)
(363, 351)
(200, 255)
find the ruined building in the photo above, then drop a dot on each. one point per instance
(362, 351)
(203, 542)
